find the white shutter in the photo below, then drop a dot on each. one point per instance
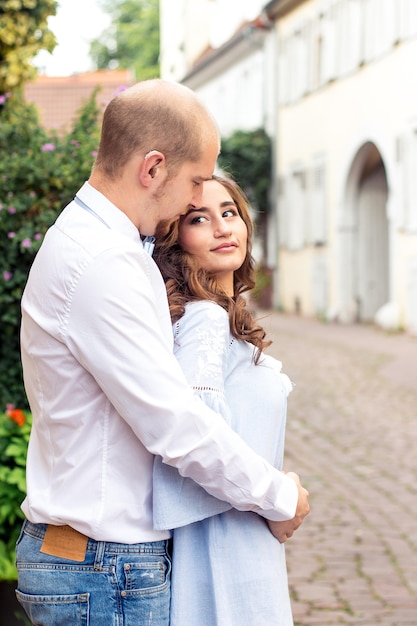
(283, 73)
(318, 212)
(411, 215)
(386, 33)
(412, 296)
(370, 27)
(328, 48)
(282, 211)
(406, 18)
(296, 207)
(408, 165)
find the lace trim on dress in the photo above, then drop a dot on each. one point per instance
(209, 341)
(210, 389)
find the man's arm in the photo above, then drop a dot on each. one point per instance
(120, 340)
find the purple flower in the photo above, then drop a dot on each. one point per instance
(94, 153)
(11, 235)
(7, 276)
(32, 194)
(48, 147)
(11, 210)
(26, 243)
(37, 236)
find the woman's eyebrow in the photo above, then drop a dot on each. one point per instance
(194, 209)
(204, 209)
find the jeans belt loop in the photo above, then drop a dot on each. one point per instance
(100, 550)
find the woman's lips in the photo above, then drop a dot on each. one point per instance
(225, 247)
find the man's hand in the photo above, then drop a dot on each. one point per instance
(284, 530)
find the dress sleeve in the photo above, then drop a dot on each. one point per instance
(202, 344)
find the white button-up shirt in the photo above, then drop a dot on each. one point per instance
(106, 392)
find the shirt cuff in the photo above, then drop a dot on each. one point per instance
(287, 502)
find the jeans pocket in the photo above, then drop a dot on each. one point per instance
(56, 610)
(146, 575)
(147, 590)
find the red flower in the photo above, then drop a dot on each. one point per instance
(17, 416)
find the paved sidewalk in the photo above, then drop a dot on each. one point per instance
(352, 437)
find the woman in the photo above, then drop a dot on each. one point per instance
(228, 569)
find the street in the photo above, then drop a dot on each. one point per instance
(352, 438)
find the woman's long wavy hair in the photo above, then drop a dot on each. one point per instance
(185, 281)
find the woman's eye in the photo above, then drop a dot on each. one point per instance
(230, 213)
(198, 219)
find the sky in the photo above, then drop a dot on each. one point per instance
(76, 23)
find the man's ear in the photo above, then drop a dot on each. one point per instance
(151, 167)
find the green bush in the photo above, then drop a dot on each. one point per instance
(247, 156)
(14, 437)
(40, 172)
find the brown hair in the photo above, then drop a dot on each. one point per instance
(185, 281)
(153, 115)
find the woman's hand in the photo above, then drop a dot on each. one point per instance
(284, 530)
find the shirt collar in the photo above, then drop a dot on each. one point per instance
(110, 213)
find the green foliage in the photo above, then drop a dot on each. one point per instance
(262, 292)
(39, 174)
(247, 156)
(132, 40)
(23, 32)
(14, 437)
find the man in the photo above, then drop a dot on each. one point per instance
(105, 390)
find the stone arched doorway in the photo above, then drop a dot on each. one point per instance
(364, 237)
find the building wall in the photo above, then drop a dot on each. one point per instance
(345, 102)
(235, 94)
(333, 84)
(189, 28)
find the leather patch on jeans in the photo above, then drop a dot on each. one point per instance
(64, 542)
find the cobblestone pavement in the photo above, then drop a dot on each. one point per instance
(352, 437)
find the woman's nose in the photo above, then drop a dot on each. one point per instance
(222, 228)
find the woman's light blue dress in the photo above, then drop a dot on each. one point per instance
(228, 569)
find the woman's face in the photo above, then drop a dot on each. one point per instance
(215, 234)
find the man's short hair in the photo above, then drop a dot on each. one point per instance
(153, 115)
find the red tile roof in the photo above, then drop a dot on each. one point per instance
(60, 98)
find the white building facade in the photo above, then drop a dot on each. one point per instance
(333, 83)
(347, 159)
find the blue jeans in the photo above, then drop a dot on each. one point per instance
(116, 585)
